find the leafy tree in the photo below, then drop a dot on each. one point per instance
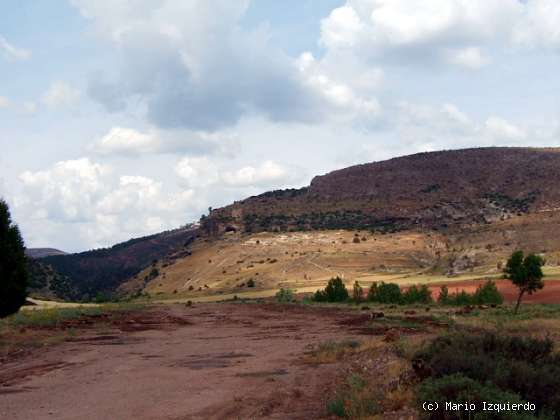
(416, 294)
(357, 292)
(526, 273)
(334, 292)
(388, 293)
(13, 271)
(488, 294)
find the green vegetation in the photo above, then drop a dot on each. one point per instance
(80, 277)
(13, 271)
(486, 294)
(50, 316)
(354, 400)
(526, 273)
(345, 219)
(357, 293)
(392, 293)
(334, 292)
(285, 295)
(492, 368)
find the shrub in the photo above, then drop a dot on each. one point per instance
(485, 294)
(357, 292)
(13, 265)
(334, 292)
(416, 294)
(285, 295)
(443, 297)
(372, 292)
(101, 297)
(388, 293)
(250, 283)
(336, 407)
(488, 294)
(515, 365)
(459, 388)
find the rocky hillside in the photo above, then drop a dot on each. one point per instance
(91, 274)
(426, 190)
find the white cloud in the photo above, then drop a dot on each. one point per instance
(202, 173)
(347, 90)
(131, 142)
(269, 173)
(92, 207)
(60, 94)
(197, 172)
(66, 191)
(175, 55)
(11, 52)
(501, 129)
(127, 140)
(451, 31)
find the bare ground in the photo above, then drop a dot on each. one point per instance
(209, 361)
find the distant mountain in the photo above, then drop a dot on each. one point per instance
(84, 275)
(43, 252)
(426, 190)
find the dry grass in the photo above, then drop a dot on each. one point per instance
(331, 352)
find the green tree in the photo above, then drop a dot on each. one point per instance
(372, 292)
(336, 290)
(357, 292)
(13, 270)
(525, 272)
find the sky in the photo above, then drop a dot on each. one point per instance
(122, 118)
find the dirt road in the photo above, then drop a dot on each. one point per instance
(176, 362)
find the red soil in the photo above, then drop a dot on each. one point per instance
(550, 293)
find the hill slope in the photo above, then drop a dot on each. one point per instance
(42, 252)
(419, 218)
(426, 190)
(82, 276)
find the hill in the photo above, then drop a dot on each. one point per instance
(42, 252)
(420, 218)
(426, 190)
(425, 217)
(85, 275)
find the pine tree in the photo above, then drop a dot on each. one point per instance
(13, 267)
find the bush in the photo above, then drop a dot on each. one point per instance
(357, 293)
(485, 294)
(459, 388)
(285, 295)
(250, 283)
(416, 294)
(515, 365)
(488, 294)
(443, 297)
(388, 293)
(334, 292)
(13, 265)
(372, 292)
(336, 407)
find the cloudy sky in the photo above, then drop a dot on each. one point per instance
(120, 118)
